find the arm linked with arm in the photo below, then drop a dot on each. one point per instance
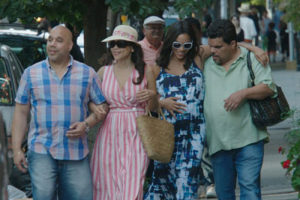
(153, 100)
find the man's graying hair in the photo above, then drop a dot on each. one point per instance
(222, 28)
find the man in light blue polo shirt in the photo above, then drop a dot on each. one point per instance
(236, 145)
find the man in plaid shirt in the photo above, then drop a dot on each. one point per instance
(56, 93)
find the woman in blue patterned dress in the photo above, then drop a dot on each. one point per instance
(180, 85)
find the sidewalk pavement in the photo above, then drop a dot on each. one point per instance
(289, 81)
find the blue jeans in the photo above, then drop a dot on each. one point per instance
(243, 163)
(67, 179)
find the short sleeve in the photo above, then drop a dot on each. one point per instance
(23, 93)
(263, 74)
(96, 95)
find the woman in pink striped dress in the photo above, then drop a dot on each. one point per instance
(119, 161)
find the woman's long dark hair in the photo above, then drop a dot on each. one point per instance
(137, 58)
(176, 29)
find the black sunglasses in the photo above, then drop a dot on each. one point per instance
(119, 43)
(186, 45)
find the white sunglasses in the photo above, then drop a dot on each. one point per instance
(186, 45)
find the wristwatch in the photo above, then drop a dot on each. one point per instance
(87, 126)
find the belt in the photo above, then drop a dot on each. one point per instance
(248, 41)
(134, 109)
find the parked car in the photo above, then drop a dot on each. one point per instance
(11, 71)
(3, 162)
(28, 46)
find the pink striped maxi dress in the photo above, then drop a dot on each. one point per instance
(119, 162)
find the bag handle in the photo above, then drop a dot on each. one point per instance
(249, 65)
(160, 113)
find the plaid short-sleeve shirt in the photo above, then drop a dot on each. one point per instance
(56, 104)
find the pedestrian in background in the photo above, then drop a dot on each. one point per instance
(153, 29)
(119, 161)
(254, 16)
(235, 144)
(207, 19)
(246, 23)
(284, 40)
(265, 24)
(56, 92)
(271, 36)
(240, 35)
(179, 82)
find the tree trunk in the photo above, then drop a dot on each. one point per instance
(94, 32)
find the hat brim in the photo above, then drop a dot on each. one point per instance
(155, 22)
(111, 38)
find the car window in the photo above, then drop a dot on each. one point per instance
(28, 49)
(5, 85)
(16, 67)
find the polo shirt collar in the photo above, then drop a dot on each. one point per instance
(240, 58)
(69, 65)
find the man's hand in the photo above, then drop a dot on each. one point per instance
(20, 160)
(172, 105)
(234, 100)
(76, 130)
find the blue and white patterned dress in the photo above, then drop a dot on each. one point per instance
(180, 178)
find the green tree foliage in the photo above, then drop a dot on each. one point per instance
(28, 10)
(292, 11)
(91, 15)
(187, 7)
(138, 8)
(258, 2)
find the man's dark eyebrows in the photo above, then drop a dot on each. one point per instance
(218, 47)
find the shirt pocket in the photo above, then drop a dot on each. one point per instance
(41, 94)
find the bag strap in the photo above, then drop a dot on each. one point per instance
(249, 65)
(159, 112)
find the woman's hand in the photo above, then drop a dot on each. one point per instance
(172, 105)
(101, 111)
(261, 56)
(145, 95)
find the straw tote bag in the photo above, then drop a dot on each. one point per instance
(157, 136)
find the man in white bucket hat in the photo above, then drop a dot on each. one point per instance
(153, 29)
(246, 23)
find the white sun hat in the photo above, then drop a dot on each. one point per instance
(154, 20)
(245, 7)
(123, 32)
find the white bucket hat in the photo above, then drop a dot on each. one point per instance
(154, 20)
(123, 32)
(245, 7)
